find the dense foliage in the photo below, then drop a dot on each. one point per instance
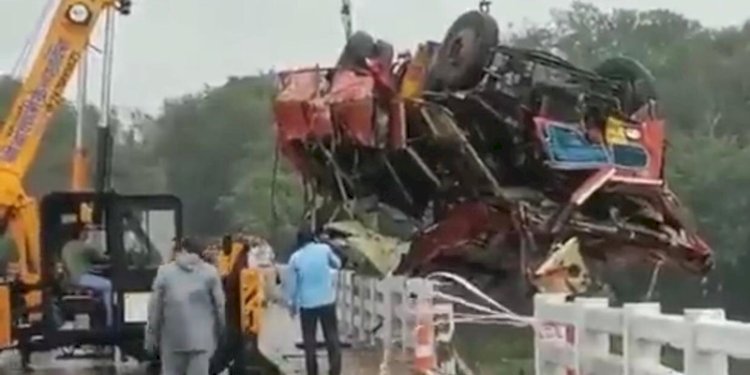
(704, 92)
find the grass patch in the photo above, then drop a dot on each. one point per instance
(496, 350)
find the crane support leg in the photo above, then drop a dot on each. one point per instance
(23, 226)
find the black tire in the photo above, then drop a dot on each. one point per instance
(639, 84)
(465, 52)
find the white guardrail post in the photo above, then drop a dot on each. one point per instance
(379, 311)
(417, 291)
(588, 341)
(636, 350)
(547, 334)
(358, 302)
(703, 362)
(706, 338)
(385, 309)
(372, 312)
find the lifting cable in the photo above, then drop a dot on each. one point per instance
(32, 38)
(274, 177)
(346, 17)
(496, 313)
(484, 6)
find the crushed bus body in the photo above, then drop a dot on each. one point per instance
(483, 158)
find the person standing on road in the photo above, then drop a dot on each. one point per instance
(186, 313)
(311, 290)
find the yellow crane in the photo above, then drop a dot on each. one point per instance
(148, 222)
(36, 102)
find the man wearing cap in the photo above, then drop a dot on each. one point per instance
(186, 316)
(310, 288)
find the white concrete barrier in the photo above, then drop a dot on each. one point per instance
(577, 338)
(377, 311)
(380, 311)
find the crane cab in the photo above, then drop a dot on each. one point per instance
(137, 232)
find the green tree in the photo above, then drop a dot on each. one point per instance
(215, 148)
(51, 170)
(136, 167)
(699, 71)
(703, 90)
(268, 200)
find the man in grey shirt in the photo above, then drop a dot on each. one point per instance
(186, 313)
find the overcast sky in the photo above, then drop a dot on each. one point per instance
(167, 48)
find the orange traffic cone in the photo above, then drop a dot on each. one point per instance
(424, 343)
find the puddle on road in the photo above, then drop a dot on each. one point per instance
(65, 369)
(45, 364)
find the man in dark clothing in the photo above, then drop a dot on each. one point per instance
(186, 313)
(311, 290)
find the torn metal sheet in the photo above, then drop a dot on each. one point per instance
(365, 249)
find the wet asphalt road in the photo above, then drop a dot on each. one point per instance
(47, 364)
(277, 343)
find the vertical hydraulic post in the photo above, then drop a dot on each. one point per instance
(79, 175)
(104, 141)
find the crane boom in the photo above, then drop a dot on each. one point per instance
(39, 97)
(41, 93)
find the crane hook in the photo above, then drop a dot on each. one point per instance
(484, 6)
(346, 17)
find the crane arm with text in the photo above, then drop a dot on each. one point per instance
(38, 98)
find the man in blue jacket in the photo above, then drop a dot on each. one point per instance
(311, 290)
